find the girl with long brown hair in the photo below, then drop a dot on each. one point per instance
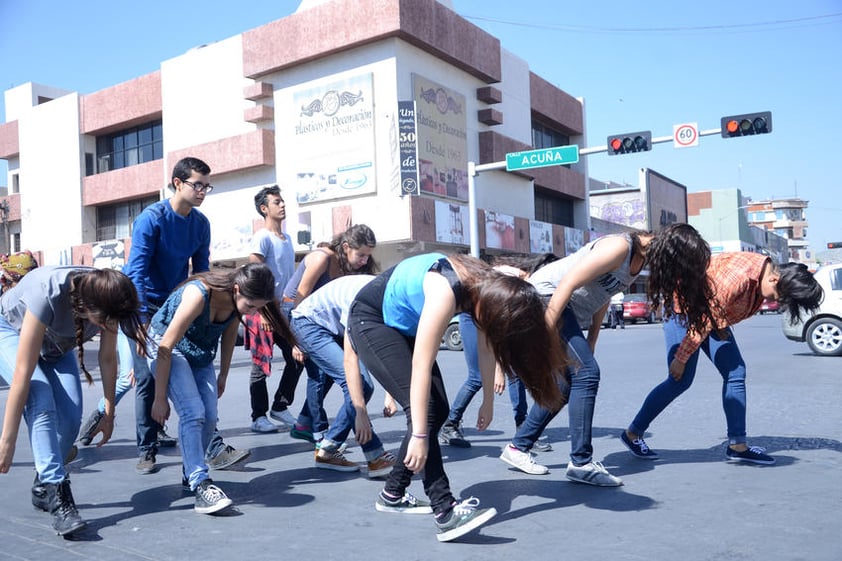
(48, 314)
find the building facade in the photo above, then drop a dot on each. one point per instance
(314, 102)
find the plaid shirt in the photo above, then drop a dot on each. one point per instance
(735, 279)
(259, 341)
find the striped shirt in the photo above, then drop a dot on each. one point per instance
(735, 279)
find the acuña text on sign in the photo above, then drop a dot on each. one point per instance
(557, 156)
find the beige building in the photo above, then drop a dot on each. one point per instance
(316, 102)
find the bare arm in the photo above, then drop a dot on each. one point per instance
(29, 348)
(317, 264)
(108, 373)
(354, 379)
(605, 256)
(487, 368)
(226, 351)
(596, 325)
(192, 303)
(439, 307)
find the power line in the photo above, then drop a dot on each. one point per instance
(773, 25)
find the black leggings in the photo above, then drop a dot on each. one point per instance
(388, 356)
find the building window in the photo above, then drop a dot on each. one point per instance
(14, 242)
(553, 209)
(130, 147)
(15, 183)
(115, 222)
(546, 137)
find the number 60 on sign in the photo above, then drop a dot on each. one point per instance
(685, 135)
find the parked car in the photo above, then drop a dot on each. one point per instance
(769, 307)
(822, 330)
(636, 307)
(452, 337)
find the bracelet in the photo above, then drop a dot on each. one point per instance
(419, 435)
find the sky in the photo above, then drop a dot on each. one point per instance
(637, 65)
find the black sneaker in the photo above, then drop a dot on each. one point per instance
(165, 440)
(66, 519)
(464, 517)
(40, 497)
(451, 434)
(146, 464)
(638, 447)
(751, 455)
(210, 499)
(86, 434)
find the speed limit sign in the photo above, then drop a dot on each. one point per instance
(685, 135)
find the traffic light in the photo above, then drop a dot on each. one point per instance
(834, 245)
(629, 142)
(744, 125)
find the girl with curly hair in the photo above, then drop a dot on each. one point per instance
(578, 291)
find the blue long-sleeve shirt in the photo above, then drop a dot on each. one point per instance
(164, 245)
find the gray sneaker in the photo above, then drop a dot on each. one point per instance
(522, 461)
(228, 457)
(451, 434)
(146, 464)
(86, 435)
(407, 504)
(210, 499)
(592, 473)
(464, 517)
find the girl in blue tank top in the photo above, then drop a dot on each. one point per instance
(395, 325)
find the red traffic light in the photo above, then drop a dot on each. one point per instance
(744, 125)
(629, 142)
(834, 245)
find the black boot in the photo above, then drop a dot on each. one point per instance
(66, 519)
(40, 496)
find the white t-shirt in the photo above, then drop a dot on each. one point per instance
(278, 255)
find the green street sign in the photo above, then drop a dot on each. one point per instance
(557, 156)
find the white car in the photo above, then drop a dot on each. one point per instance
(823, 329)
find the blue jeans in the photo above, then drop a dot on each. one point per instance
(584, 384)
(144, 395)
(124, 370)
(326, 355)
(193, 393)
(725, 356)
(53, 410)
(473, 384)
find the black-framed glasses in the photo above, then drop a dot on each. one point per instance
(199, 187)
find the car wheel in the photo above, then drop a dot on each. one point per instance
(453, 338)
(825, 337)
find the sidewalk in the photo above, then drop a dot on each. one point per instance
(690, 505)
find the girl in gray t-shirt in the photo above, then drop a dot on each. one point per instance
(47, 316)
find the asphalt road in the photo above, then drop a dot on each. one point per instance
(689, 505)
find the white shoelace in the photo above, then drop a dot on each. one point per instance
(212, 494)
(466, 506)
(599, 467)
(756, 449)
(644, 448)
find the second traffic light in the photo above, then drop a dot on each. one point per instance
(748, 124)
(629, 142)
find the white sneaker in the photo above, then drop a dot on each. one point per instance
(522, 461)
(593, 473)
(283, 416)
(264, 425)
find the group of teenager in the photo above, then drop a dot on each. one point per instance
(535, 325)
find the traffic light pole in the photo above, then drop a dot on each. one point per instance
(475, 169)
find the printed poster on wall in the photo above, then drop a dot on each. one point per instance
(540, 237)
(442, 126)
(499, 230)
(408, 143)
(332, 139)
(573, 240)
(452, 223)
(109, 255)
